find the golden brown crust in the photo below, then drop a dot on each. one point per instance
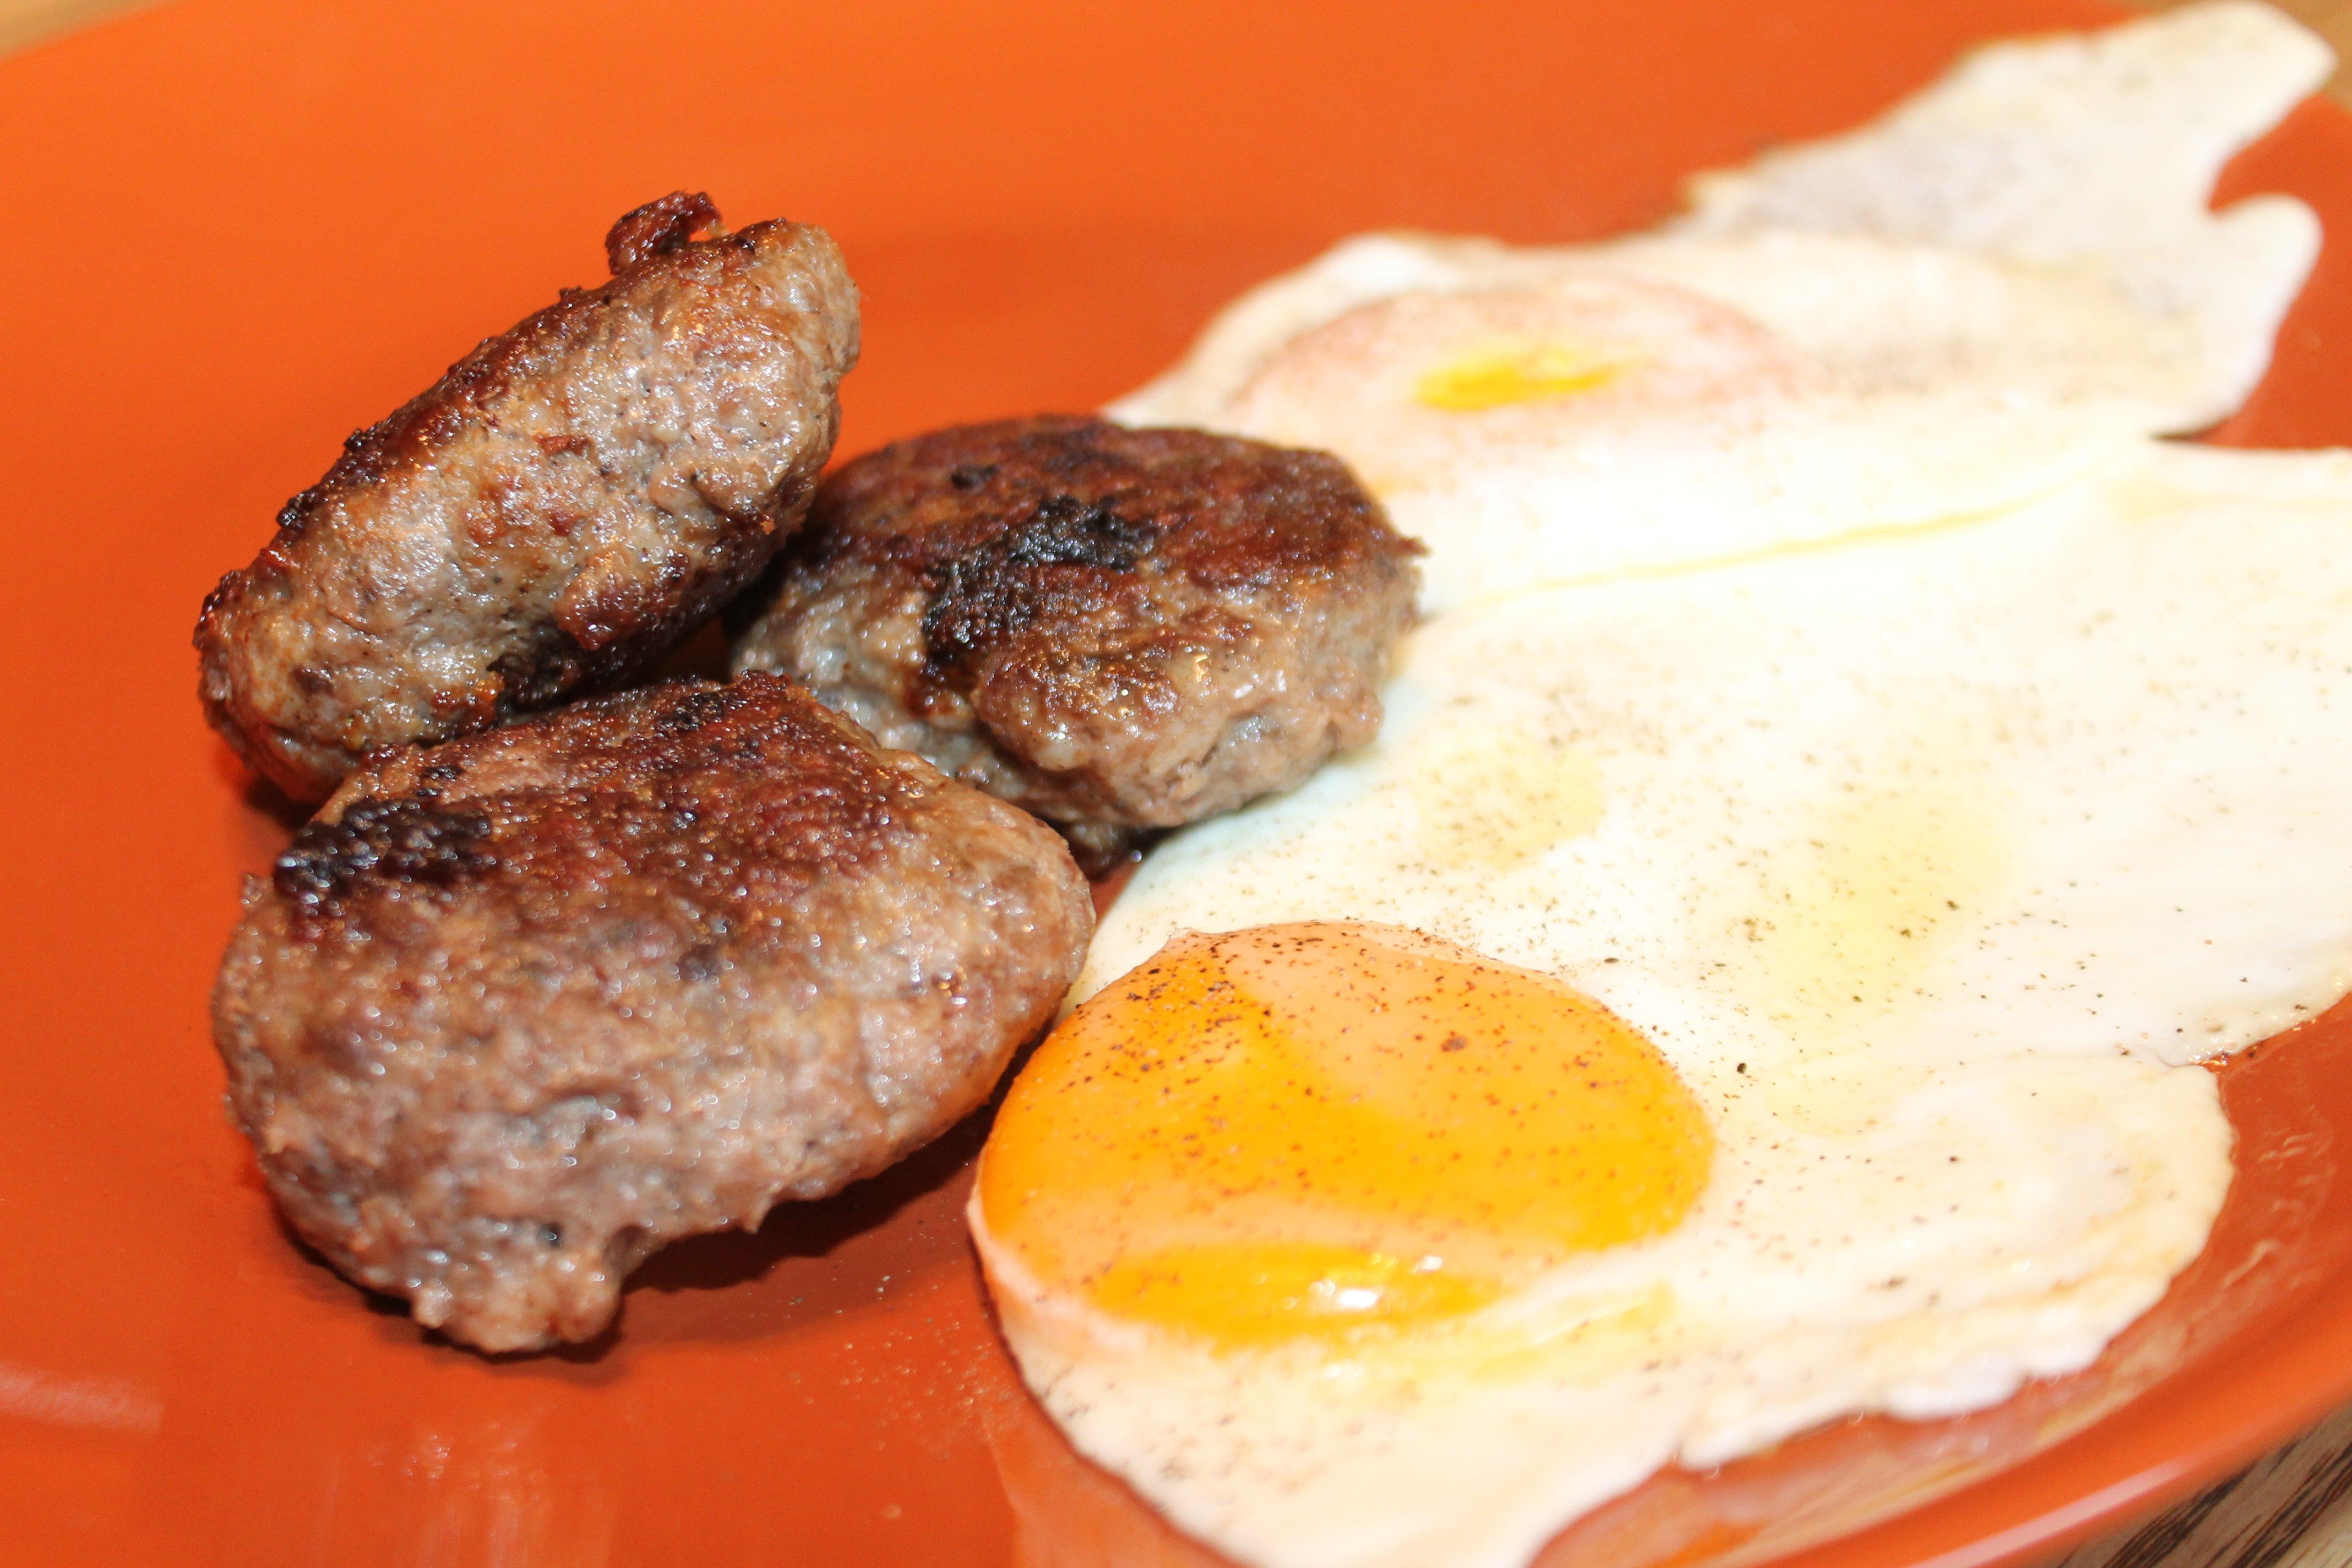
(661, 227)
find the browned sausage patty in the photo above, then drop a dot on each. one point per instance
(1115, 628)
(516, 1010)
(553, 515)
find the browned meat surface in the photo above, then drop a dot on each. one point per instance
(516, 1010)
(553, 515)
(1115, 628)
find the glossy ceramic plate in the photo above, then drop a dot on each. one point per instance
(235, 229)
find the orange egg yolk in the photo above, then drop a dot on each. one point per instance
(1328, 1130)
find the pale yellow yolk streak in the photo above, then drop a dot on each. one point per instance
(1861, 923)
(1496, 799)
(1323, 1130)
(1861, 914)
(1496, 374)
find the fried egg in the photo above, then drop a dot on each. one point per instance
(1993, 291)
(1718, 1002)
(1850, 780)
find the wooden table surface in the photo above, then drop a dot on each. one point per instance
(2291, 1510)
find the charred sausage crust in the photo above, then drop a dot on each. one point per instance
(1115, 628)
(516, 1010)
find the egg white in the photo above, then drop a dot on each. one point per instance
(2094, 153)
(1980, 297)
(1927, 860)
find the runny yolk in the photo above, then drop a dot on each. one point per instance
(1493, 375)
(1324, 1129)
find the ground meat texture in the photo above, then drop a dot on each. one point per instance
(550, 518)
(516, 1010)
(1115, 628)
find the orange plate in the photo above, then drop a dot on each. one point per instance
(237, 228)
